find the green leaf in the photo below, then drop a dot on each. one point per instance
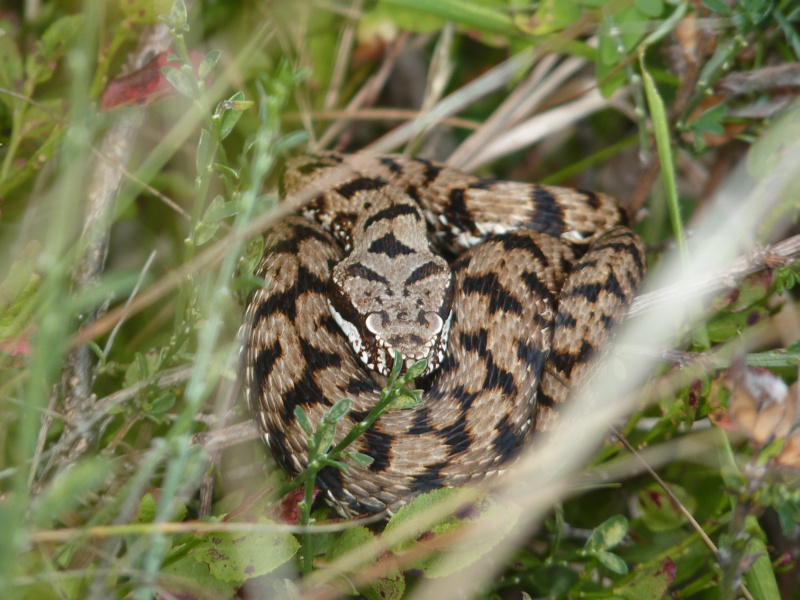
(302, 419)
(54, 44)
(177, 19)
(391, 585)
(217, 211)
(612, 562)
(554, 580)
(711, 120)
(233, 108)
(238, 557)
(203, 155)
(728, 324)
(658, 513)
(141, 368)
(188, 578)
(555, 15)
(338, 411)
(162, 404)
(423, 15)
(144, 11)
(362, 460)
(760, 577)
(718, 6)
(210, 60)
(397, 366)
(147, 509)
(180, 81)
(664, 146)
(335, 464)
(325, 434)
(416, 370)
(406, 400)
(651, 583)
(492, 518)
(607, 535)
(650, 8)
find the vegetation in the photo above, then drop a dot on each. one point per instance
(136, 170)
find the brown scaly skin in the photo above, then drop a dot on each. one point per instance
(542, 274)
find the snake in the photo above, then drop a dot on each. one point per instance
(506, 289)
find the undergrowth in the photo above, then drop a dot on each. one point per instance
(128, 465)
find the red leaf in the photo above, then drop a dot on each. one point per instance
(290, 511)
(144, 85)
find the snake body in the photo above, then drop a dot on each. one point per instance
(538, 277)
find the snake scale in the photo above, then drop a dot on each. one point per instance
(505, 288)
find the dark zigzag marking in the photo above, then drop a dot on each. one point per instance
(390, 246)
(591, 197)
(322, 161)
(484, 184)
(317, 359)
(565, 320)
(628, 248)
(464, 398)
(535, 286)
(299, 233)
(378, 443)
(475, 342)
(357, 386)
(591, 291)
(413, 193)
(532, 356)
(499, 297)
(265, 361)
(392, 212)
(545, 400)
(362, 272)
(282, 303)
(457, 213)
(456, 437)
(378, 446)
(286, 302)
(423, 272)
(516, 241)
(498, 378)
(391, 164)
(507, 440)
(422, 422)
(431, 479)
(431, 170)
(361, 184)
(565, 361)
(548, 218)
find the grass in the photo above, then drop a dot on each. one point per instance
(128, 467)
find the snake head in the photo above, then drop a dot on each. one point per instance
(406, 309)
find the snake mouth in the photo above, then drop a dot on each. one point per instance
(415, 339)
(376, 339)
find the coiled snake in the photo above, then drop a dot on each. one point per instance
(540, 275)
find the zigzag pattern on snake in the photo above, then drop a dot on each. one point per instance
(534, 280)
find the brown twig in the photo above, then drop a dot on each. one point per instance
(105, 183)
(776, 254)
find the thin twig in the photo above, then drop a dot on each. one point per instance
(378, 114)
(131, 296)
(780, 252)
(344, 51)
(369, 91)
